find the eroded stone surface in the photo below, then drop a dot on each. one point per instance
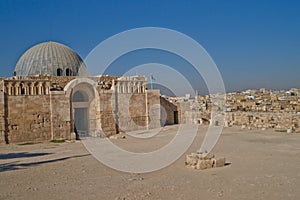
(41, 108)
(204, 161)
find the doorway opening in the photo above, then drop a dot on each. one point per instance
(175, 117)
(80, 122)
(80, 102)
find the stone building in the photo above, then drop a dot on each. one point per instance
(50, 98)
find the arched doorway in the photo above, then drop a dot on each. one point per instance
(85, 106)
(80, 102)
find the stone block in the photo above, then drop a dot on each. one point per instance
(220, 162)
(202, 161)
(204, 164)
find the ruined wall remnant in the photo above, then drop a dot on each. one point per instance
(276, 120)
(204, 161)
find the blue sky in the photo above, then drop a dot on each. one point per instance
(254, 43)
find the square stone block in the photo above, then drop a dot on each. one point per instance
(220, 162)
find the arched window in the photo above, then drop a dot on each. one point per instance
(80, 96)
(68, 72)
(59, 72)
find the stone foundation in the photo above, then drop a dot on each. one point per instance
(204, 161)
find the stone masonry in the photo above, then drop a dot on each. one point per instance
(204, 161)
(41, 108)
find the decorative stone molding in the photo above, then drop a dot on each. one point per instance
(26, 87)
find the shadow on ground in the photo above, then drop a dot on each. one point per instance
(16, 165)
(21, 155)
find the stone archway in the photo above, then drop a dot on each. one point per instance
(81, 109)
(85, 106)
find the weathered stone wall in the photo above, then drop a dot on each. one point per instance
(153, 107)
(60, 115)
(38, 109)
(168, 112)
(95, 117)
(30, 112)
(107, 113)
(35, 117)
(2, 114)
(121, 112)
(191, 114)
(279, 120)
(184, 108)
(122, 104)
(131, 111)
(28, 118)
(137, 110)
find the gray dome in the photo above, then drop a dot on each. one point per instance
(50, 58)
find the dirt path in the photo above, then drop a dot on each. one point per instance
(263, 165)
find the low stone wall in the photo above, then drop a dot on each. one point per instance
(282, 121)
(264, 120)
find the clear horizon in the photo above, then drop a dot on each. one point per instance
(255, 44)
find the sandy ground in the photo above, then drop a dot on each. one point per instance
(263, 165)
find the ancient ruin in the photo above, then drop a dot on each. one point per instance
(251, 109)
(52, 96)
(204, 161)
(49, 98)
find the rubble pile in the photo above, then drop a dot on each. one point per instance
(203, 161)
